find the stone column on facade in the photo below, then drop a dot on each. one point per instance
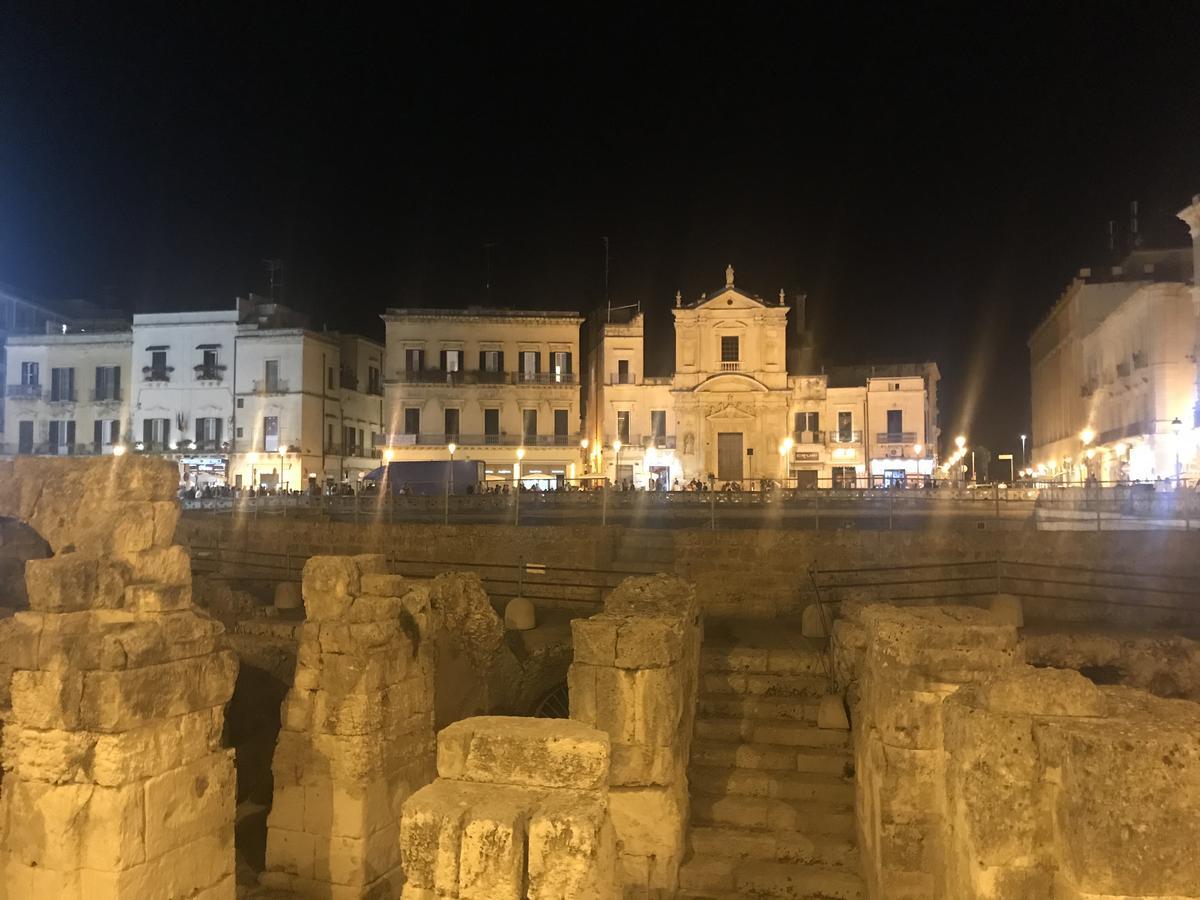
(635, 676)
(357, 731)
(519, 811)
(116, 784)
(914, 659)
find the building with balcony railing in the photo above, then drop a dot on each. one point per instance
(498, 379)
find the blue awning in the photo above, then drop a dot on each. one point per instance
(375, 474)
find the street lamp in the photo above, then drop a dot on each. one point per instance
(1023, 451)
(1087, 436)
(583, 447)
(785, 447)
(1177, 428)
(389, 454)
(617, 461)
(517, 484)
(119, 450)
(960, 442)
(451, 447)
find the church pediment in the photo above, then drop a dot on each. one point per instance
(731, 383)
(729, 412)
(729, 297)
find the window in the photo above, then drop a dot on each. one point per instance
(241, 404)
(529, 425)
(329, 379)
(373, 386)
(560, 364)
(347, 439)
(62, 437)
(623, 372)
(491, 426)
(623, 426)
(845, 432)
(807, 423)
(491, 360)
(531, 364)
(414, 360)
(208, 433)
(895, 422)
(156, 433)
(658, 426)
(270, 433)
(451, 423)
(208, 370)
(845, 477)
(561, 418)
(241, 432)
(329, 445)
(729, 348)
(158, 362)
(108, 383)
(62, 384)
(452, 360)
(25, 436)
(412, 421)
(358, 447)
(271, 375)
(105, 433)
(29, 374)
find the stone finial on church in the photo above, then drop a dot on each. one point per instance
(729, 276)
(678, 299)
(782, 297)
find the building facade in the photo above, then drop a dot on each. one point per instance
(491, 382)
(246, 396)
(1113, 374)
(732, 412)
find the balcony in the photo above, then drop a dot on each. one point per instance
(478, 376)
(105, 395)
(62, 396)
(896, 437)
(646, 441)
(622, 378)
(270, 386)
(808, 437)
(157, 374)
(489, 440)
(25, 391)
(845, 437)
(209, 373)
(731, 365)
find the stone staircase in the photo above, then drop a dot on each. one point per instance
(772, 794)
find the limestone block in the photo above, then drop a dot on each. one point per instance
(200, 868)
(594, 640)
(1007, 610)
(653, 595)
(287, 596)
(293, 852)
(384, 585)
(186, 803)
(158, 598)
(69, 583)
(491, 861)
(166, 519)
(166, 566)
(371, 608)
(133, 527)
(831, 713)
(47, 699)
(650, 821)
(1025, 690)
(120, 700)
(329, 586)
(812, 625)
(520, 614)
(643, 764)
(649, 643)
(431, 834)
(658, 703)
(53, 756)
(371, 564)
(467, 614)
(616, 703)
(572, 850)
(581, 689)
(557, 753)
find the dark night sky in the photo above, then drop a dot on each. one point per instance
(931, 181)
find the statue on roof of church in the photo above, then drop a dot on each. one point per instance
(729, 275)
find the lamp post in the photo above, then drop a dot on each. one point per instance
(617, 461)
(1177, 428)
(451, 447)
(1023, 463)
(583, 452)
(785, 447)
(517, 484)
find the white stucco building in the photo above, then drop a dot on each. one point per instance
(1113, 373)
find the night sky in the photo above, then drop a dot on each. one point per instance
(932, 182)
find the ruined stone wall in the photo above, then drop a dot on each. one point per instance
(519, 812)
(357, 731)
(771, 565)
(979, 777)
(116, 783)
(635, 678)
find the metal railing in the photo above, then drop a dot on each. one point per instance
(845, 437)
(808, 437)
(481, 376)
(619, 378)
(209, 373)
(896, 437)
(436, 439)
(269, 386)
(24, 391)
(150, 373)
(106, 395)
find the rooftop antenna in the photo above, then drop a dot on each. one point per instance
(487, 269)
(606, 297)
(274, 277)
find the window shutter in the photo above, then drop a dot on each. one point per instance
(147, 432)
(71, 431)
(98, 433)
(482, 364)
(166, 429)
(443, 361)
(567, 363)
(500, 361)
(99, 382)
(537, 361)
(116, 382)
(116, 429)
(217, 423)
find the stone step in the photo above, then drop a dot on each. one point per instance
(741, 706)
(775, 757)
(804, 660)
(758, 684)
(763, 784)
(792, 732)
(719, 878)
(812, 848)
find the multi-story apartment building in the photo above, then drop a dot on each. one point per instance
(245, 396)
(732, 412)
(491, 382)
(1113, 373)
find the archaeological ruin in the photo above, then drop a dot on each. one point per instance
(215, 707)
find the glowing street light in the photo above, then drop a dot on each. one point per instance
(389, 454)
(960, 442)
(1177, 428)
(451, 447)
(1087, 436)
(517, 485)
(1023, 449)
(119, 450)
(918, 449)
(785, 447)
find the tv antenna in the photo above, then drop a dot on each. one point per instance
(274, 277)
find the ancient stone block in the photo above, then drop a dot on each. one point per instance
(67, 583)
(184, 804)
(554, 753)
(644, 643)
(164, 566)
(47, 699)
(121, 700)
(329, 586)
(491, 860)
(384, 585)
(158, 598)
(572, 849)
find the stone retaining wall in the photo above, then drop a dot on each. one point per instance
(357, 731)
(635, 677)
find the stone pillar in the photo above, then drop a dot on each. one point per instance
(519, 810)
(915, 658)
(357, 731)
(116, 784)
(635, 677)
